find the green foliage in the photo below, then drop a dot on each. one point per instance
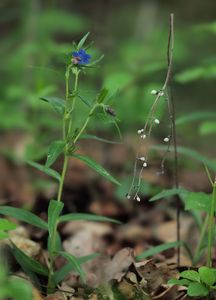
(45, 169)
(28, 263)
(13, 287)
(69, 267)
(207, 128)
(55, 149)
(57, 103)
(24, 216)
(191, 154)
(95, 166)
(75, 263)
(158, 249)
(6, 226)
(86, 217)
(199, 284)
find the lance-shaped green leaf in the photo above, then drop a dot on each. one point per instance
(54, 211)
(3, 235)
(168, 193)
(95, 61)
(75, 262)
(158, 249)
(86, 217)
(95, 166)
(97, 138)
(196, 116)
(102, 95)
(69, 267)
(55, 149)
(57, 103)
(190, 153)
(82, 41)
(27, 262)
(23, 215)
(48, 171)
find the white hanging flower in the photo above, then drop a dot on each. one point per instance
(142, 158)
(154, 92)
(145, 165)
(143, 136)
(161, 93)
(140, 131)
(157, 121)
(128, 196)
(166, 139)
(138, 198)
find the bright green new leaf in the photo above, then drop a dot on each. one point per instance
(57, 104)
(3, 235)
(82, 41)
(46, 170)
(207, 275)
(7, 225)
(20, 289)
(95, 166)
(69, 267)
(55, 149)
(168, 193)
(197, 201)
(158, 249)
(197, 289)
(75, 262)
(27, 262)
(191, 275)
(208, 128)
(86, 217)
(23, 215)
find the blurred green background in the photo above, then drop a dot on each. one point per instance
(38, 34)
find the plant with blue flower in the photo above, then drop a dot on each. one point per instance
(66, 145)
(80, 57)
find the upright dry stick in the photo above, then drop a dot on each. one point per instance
(173, 127)
(147, 129)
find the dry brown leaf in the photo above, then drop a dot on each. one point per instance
(119, 265)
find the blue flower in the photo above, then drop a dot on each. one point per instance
(80, 57)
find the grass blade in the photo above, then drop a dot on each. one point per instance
(86, 217)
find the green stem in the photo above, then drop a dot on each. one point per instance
(211, 227)
(73, 102)
(86, 122)
(201, 240)
(69, 107)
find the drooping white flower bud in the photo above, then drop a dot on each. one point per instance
(142, 158)
(166, 139)
(128, 196)
(154, 92)
(138, 198)
(140, 131)
(143, 136)
(161, 93)
(145, 165)
(157, 121)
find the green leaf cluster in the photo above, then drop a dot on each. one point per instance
(199, 283)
